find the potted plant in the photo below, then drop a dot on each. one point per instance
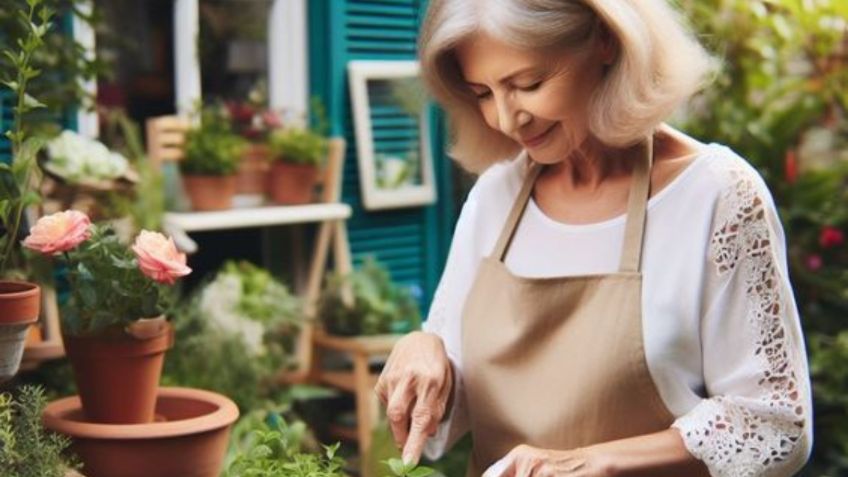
(297, 154)
(113, 326)
(367, 302)
(212, 153)
(253, 122)
(27, 449)
(19, 300)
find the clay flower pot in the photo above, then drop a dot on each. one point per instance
(252, 175)
(189, 438)
(210, 192)
(20, 304)
(118, 373)
(292, 184)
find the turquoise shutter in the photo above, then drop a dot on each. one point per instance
(5, 124)
(411, 242)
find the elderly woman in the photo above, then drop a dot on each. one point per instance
(616, 299)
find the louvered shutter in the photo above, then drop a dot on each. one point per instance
(412, 242)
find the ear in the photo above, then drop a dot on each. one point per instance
(606, 44)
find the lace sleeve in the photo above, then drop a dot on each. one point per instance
(756, 420)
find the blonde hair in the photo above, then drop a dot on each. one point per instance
(659, 64)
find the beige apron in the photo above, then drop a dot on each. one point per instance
(559, 363)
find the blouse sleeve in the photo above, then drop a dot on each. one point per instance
(757, 417)
(445, 320)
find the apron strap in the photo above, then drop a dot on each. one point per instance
(517, 210)
(637, 204)
(634, 233)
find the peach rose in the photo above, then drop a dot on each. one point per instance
(158, 257)
(59, 232)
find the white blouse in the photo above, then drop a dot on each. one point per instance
(721, 329)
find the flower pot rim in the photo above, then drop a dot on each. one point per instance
(224, 415)
(20, 290)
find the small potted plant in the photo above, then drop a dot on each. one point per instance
(375, 304)
(19, 300)
(212, 153)
(113, 325)
(297, 154)
(254, 123)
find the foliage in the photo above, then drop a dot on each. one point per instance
(367, 302)
(16, 180)
(26, 448)
(275, 452)
(243, 312)
(781, 102)
(66, 63)
(298, 145)
(399, 469)
(107, 287)
(212, 148)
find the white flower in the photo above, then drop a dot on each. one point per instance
(76, 158)
(219, 305)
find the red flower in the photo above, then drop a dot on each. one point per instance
(831, 237)
(791, 166)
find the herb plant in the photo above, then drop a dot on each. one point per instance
(212, 148)
(298, 146)
(399, 469)
(26, 448)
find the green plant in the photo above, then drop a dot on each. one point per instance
(26, 448)
(367, 302)
(242, 312)
(399, 469)
(17, 180)
(275, 452)
(212, 148)
(298, 146)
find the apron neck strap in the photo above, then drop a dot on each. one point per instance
(631, 254)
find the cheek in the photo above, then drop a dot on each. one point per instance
(490, 114)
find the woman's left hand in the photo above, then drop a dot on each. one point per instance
(527, 461)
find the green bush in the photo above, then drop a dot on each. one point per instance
(375, 304)
(212, 148)
(298, 146)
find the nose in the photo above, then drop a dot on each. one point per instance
(510, 115)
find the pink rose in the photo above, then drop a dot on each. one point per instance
(59, 232)
(831, 237)
(158, 257)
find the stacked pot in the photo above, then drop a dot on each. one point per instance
(123, 423)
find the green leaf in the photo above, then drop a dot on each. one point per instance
(421, 472)
(30, 102)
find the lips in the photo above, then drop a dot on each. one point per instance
(538, 139)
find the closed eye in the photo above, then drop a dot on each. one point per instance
(532, 87)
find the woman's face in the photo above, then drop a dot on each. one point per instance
(537, 99)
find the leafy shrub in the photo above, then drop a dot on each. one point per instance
(212, 149)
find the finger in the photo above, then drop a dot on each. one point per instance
(424, 421)
(397, 410)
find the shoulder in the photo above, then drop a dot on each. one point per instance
(735, 180)
(499, 183)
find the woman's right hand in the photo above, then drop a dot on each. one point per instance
(415, 386)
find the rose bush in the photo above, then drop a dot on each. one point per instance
(111, 283)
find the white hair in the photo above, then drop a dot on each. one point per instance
(658, 66)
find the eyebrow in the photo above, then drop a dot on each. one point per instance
(506, 78)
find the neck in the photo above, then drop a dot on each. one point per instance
(592, 164)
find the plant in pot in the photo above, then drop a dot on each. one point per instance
(113, 325)
(212, 153)
(254, 122)
(367, 302)
(297, 154)
(19, 300)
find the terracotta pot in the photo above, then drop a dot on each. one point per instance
(190, 441)
(210, 192)
(20, 303)
(252, 175)
(117, 374)
(292, 183)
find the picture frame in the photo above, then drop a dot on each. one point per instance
(391, 125)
